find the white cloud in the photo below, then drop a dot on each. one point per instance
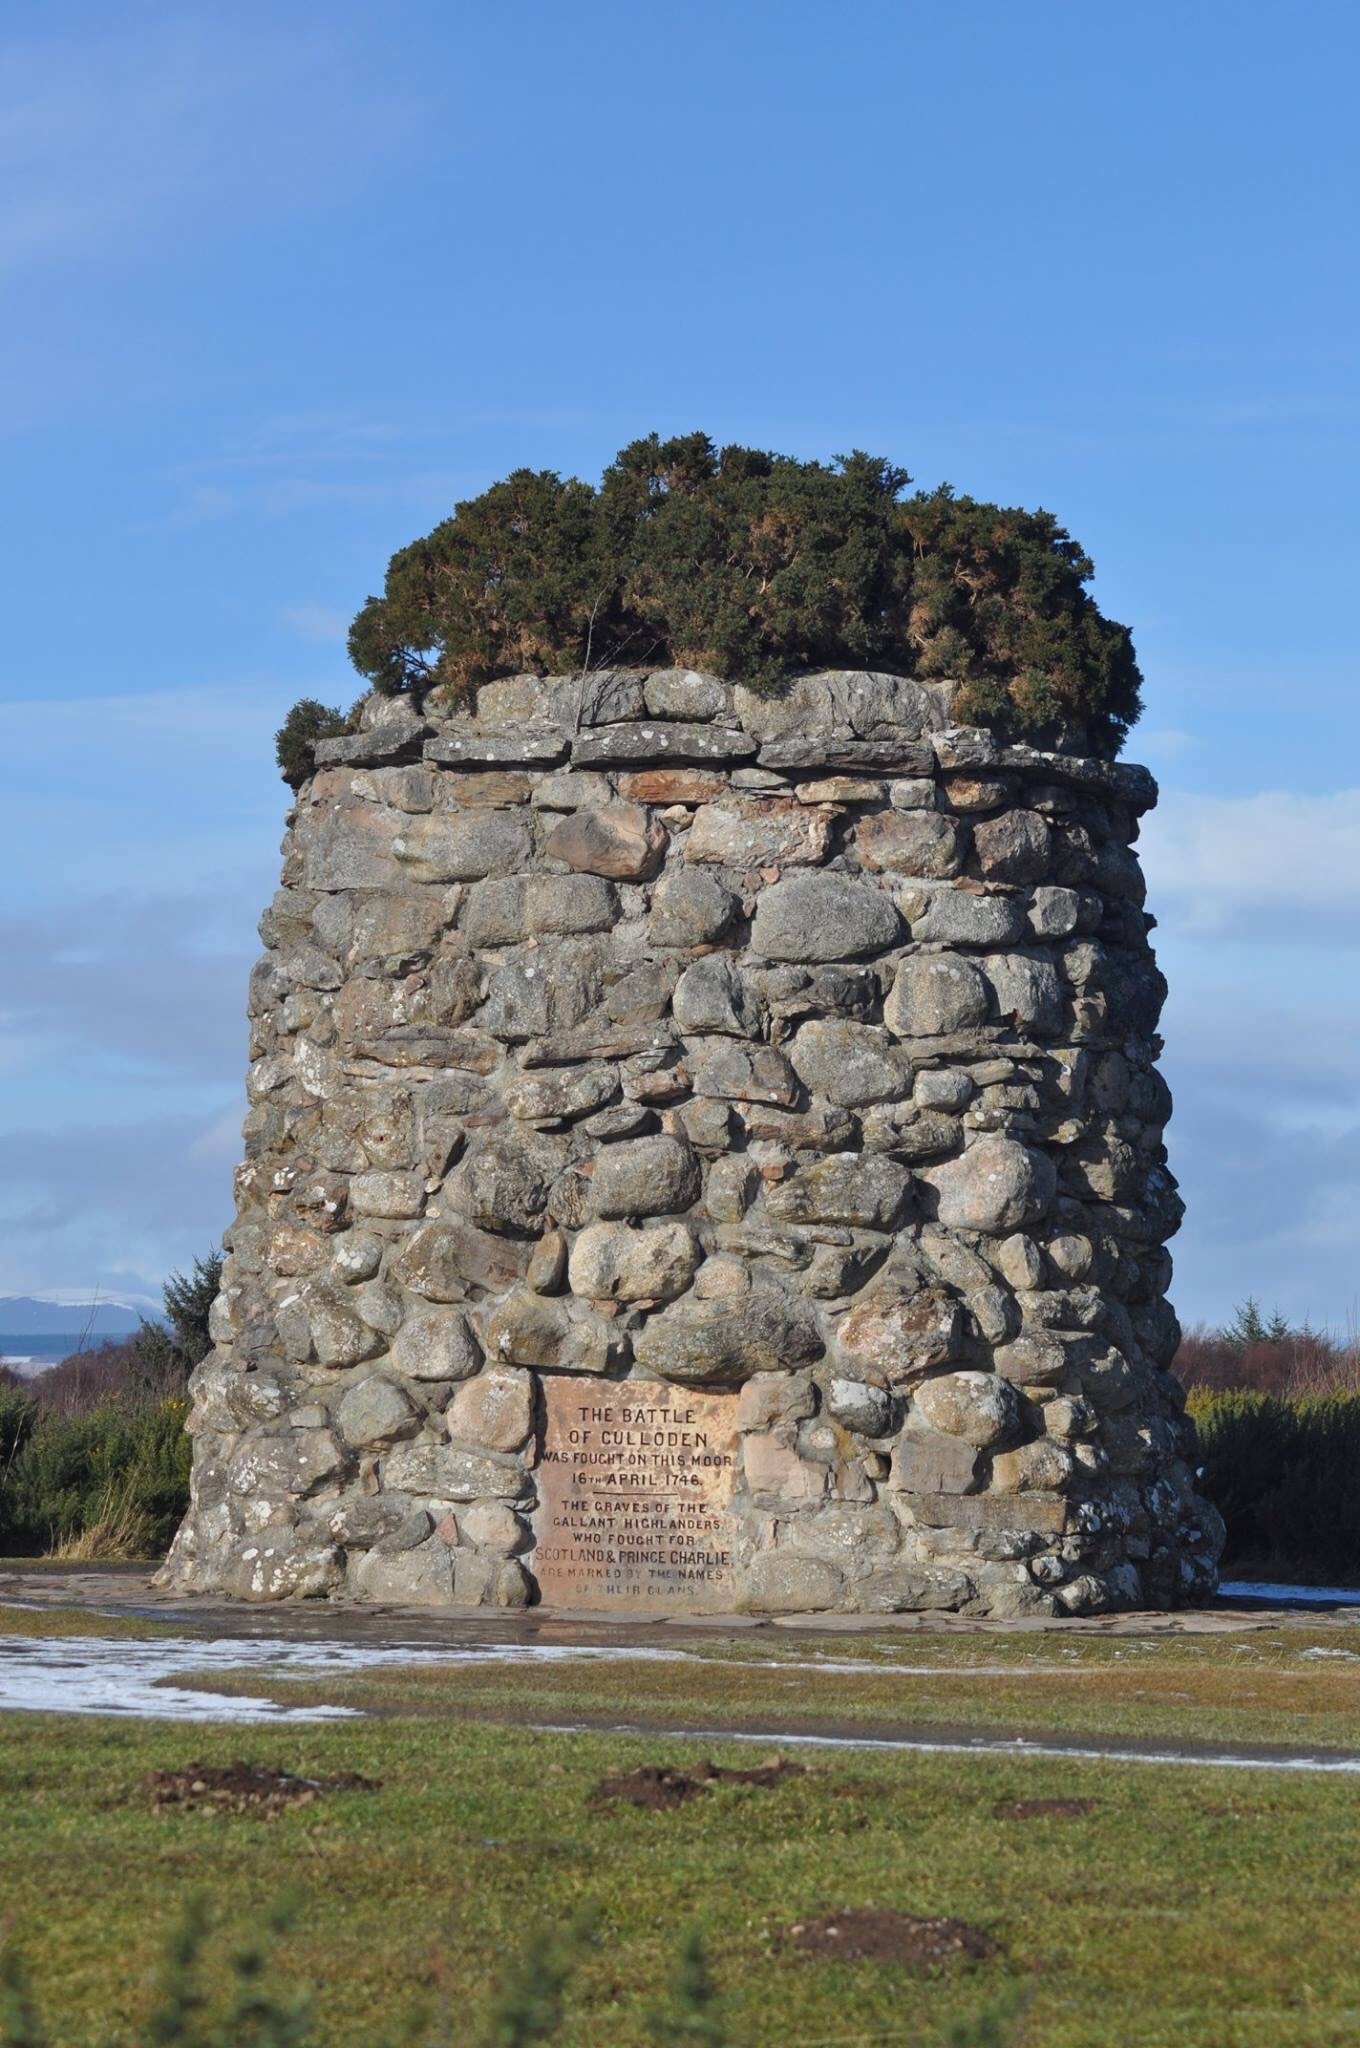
(1275, 863)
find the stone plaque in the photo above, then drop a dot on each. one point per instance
(634, 1487)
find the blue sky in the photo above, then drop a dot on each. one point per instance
(282, 282)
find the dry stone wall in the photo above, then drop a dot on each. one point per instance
(751, 1099)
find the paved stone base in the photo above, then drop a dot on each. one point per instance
(119, 1591)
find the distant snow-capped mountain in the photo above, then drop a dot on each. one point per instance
(52, 1315)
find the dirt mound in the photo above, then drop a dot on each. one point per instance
(658, 1787)
(878, 1934)
(1043, 1809)
(244, 1788)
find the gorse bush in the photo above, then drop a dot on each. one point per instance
(295, 741)
(757, 567)
(117, 1476)
(94, 1459)
(1282, 1473)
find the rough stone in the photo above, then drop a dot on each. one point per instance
(1026, 993)
(634, 744)
(606, 694)
(279, 1566)
(1039, 1467)
(520, 747)
(823, 917)
(614, 1262)
(995, 1186)
(777, 1582)
(737, 1072)
(1013, 847)
(1020, 1261)
(924, 1461)
(463, 846)
(620, 841)
(771, 1091)
(690, 909)
(389, 1195)
(422, 1577)
(561, 1094)
(723, 1342)
(375, 1411)
(859, 1405)
(435, 1344)
(956, 917)
(495, 1411)
(1054, 912)
(903, 1336)
(672, 786)
(901, 1589)
(504, 1185)
(686, 693)
(644, 1177)
(528, 1329)
(980, 1407)
(338, 1335)
(859, 1189)
(759, 832)
(771, 1400)
(850, 1064)
(774, 1468)
(935, 994)
(713, 996)
(444, 1261)
(860, 702)
(448, 1472)
(911, 842)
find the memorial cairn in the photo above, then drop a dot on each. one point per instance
(704, 1153)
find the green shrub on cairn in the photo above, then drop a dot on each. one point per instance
(757, 567)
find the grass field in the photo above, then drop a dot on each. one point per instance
(1188, 1908)
(1292, 1686)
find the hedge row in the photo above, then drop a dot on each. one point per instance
(1282, 1473)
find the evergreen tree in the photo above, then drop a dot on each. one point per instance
(1247, 1326)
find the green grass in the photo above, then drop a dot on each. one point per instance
(1193, 1907)
(75, 1621)
(1260, 1687)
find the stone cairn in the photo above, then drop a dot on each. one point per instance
(642, 1029)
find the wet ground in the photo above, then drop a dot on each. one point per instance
(169, 1676)
(128, 1590)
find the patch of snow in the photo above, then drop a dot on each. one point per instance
(1290, 1596)
(980, 1745)
(115, 1675)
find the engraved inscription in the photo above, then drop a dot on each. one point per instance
(635, 1485)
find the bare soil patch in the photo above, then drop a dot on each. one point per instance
(244, 1788)
(1043, 1809)
(879, 1934)
(657, 1788)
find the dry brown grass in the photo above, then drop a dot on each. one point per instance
(119, 1532)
